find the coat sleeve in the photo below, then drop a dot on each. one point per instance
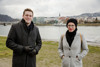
(11, 41)
(84, 47)
(60, 47)
(38, 42)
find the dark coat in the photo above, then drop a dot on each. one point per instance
(19, 37)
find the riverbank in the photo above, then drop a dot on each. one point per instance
(48, 55)
(89, 24)
(85, 24)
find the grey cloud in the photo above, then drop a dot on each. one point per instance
(49, 7)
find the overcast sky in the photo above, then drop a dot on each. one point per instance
(49, 8)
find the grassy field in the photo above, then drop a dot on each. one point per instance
(49, 57)
(4, 51)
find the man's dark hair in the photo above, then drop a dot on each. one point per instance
(27, 9)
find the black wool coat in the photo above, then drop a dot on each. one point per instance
(19, 37)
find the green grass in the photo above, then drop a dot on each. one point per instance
(49, 57)
(93, 57)
(4, 51)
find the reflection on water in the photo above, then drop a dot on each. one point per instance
(91, 33)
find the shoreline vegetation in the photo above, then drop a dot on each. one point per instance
(89, 24)
(85, 24)
(48, 55)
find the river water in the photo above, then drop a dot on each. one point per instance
(53, 33)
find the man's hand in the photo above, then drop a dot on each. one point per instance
(28, 48)
(33, 52)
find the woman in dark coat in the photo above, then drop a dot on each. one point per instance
(25, 41)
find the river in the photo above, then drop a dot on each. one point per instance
(53, 33)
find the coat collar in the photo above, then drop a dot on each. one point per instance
(23, 21)
(31, 26)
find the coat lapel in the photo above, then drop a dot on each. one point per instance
(66, 41)
(75, 40)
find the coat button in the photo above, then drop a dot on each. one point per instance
(69, 56)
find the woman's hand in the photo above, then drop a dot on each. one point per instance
(77, 58)
(62, 57)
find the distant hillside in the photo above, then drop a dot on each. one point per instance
(90, 14)
(5, 18)
(97, 14)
